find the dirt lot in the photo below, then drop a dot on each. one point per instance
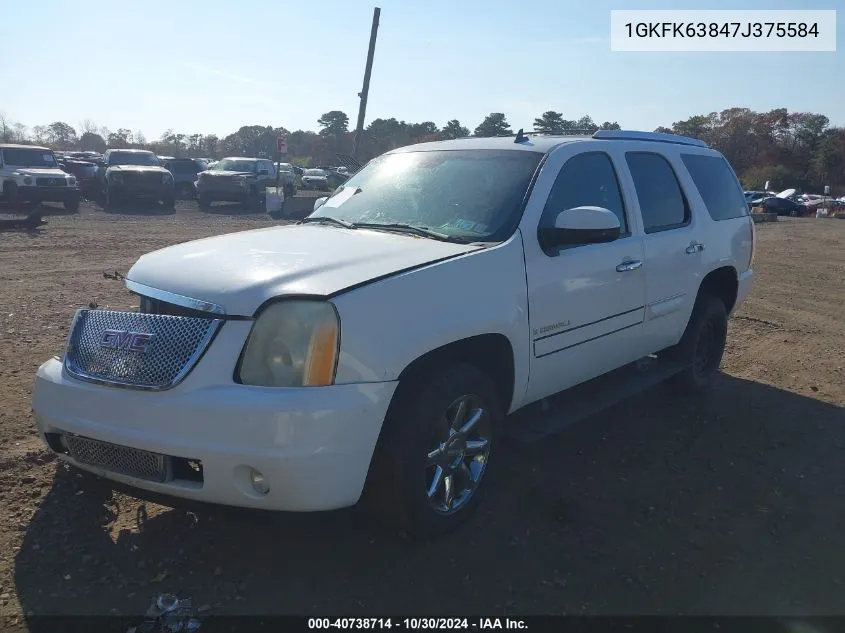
(730, 504)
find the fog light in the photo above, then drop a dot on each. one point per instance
(259, 485)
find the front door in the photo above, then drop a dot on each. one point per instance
(586, 302)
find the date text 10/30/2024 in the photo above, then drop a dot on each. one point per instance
(417, 624)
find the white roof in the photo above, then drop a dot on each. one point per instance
(16, 146)
(544, 143)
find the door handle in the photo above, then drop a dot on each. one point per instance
(628, 265)
(694, 247)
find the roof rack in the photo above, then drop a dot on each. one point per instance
(522, 136)
(660, 137)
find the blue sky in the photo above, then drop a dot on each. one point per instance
(207, 67)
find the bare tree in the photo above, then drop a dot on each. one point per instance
(20, 132)
(5, 132)
(88, 126)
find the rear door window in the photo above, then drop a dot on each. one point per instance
(662, 202)
(717, 185)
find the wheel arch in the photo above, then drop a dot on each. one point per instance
(722, 282)
(492, 353)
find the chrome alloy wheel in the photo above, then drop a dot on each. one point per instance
(460, 455)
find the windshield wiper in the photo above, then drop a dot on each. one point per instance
(329, 220)
(410, 228)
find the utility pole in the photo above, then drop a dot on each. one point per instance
(362, 108)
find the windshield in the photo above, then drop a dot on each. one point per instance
(133, 158)
(229, 164)
(18, 157)
(314, 172)
(470, 194)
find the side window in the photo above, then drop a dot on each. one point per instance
(587, 179)
(662, 202)
(717, 185)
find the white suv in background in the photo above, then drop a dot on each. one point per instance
(384, 344)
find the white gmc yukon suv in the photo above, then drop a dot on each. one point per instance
(379, 348)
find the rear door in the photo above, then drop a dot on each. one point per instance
(673, 244)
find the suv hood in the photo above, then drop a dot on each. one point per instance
(217, 173)
(240, 271)
(154, 168)
(52, 172)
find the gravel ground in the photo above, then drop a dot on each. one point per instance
(731, 503)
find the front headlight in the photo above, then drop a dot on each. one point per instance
(71, 181)
(241, 180)
(116, 178)
(166, 178)
(27, 180)
(292, 344)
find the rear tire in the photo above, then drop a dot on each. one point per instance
(702, 346)
(169, 204)
(432, 458)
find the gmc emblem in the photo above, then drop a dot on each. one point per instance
(124, 339)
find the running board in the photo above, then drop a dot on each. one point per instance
(553, 414)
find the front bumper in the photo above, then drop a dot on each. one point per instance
(224, 195)
(140, 190)
(312, 445)
(48, 194)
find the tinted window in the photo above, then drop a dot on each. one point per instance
(183, 167)
(662, 202)
(25, 157)
(133, 158)
(587, 179)
(717, 185)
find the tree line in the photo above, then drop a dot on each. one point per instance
(785, 149)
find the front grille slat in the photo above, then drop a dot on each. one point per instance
(132, 462)
(50, 182)
(133, 349)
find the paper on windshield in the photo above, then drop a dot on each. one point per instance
(341, 197)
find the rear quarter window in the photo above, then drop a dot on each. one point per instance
(717, 185)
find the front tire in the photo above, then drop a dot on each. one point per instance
(434, 452)
(110, 202)
(702, 346)
(169, 203)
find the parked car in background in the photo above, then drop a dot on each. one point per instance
(336, 178)
(130, 174)
(30, 174)
(287, 179)
(184, 171)
(783, 206)
(236, 179)
(85, 172)
(754, 198)
(315, 179)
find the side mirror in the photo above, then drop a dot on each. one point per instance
(319, 202)
(581, 225)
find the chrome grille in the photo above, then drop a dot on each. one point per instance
(118, 459)
(132, 349)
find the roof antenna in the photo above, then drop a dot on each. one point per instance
(520, 137)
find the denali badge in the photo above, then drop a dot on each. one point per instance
(123, 339)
